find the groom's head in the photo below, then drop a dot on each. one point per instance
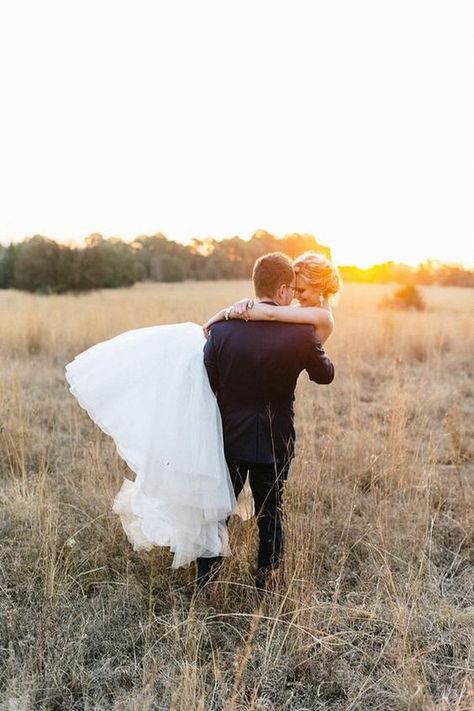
(274, 278)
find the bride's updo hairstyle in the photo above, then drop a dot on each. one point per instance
(319, 272)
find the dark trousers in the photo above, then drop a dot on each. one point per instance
(266, 482)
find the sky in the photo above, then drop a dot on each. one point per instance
(352, 121)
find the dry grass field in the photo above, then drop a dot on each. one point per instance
(375, 605)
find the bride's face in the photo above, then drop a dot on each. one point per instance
(305, 293)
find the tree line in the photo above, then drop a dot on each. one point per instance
(42, 265)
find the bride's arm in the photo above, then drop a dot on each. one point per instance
(219, 316)
(320, 318)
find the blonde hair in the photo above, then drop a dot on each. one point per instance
(320, 272)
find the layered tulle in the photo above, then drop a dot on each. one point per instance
(148, 389)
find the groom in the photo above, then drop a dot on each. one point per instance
(253, 368)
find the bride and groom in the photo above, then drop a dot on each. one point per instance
(193, 428)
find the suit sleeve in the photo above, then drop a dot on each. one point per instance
(318, 366)
(210, 361)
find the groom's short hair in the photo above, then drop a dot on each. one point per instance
(270, 272)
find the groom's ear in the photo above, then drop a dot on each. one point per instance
(280, 294)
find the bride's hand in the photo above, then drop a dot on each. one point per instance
(241, 309)
(238, 310)
(219, 316)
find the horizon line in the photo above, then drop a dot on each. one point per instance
(80, 242)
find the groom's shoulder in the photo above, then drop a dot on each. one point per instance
(263, 329)
(221, 328)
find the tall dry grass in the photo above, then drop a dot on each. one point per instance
(374, 608)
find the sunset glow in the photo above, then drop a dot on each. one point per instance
(349, 121)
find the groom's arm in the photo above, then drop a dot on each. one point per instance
(318, 365)
(210, 361)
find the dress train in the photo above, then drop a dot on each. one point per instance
(148, 389)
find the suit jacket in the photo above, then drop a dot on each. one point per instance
(253, 368)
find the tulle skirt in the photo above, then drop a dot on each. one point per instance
(148, 389)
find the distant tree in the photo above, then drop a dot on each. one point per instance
(427, 272)
(295, 244)
(107, 264)
(40, 264)
(36, 265)
(233, 258)
(229, 259)
(162, 259)
(198, 252)
(68, 270)
(95, 268)
(172, 268)
(7, 266)
(405, 297)
(454, 275)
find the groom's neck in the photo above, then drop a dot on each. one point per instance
(272, 299)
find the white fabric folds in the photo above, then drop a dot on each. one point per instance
(148, 389)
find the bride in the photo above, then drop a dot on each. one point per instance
(148, 389)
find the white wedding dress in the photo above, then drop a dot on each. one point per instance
(148, 389)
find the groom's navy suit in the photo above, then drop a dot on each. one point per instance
(253, 368)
